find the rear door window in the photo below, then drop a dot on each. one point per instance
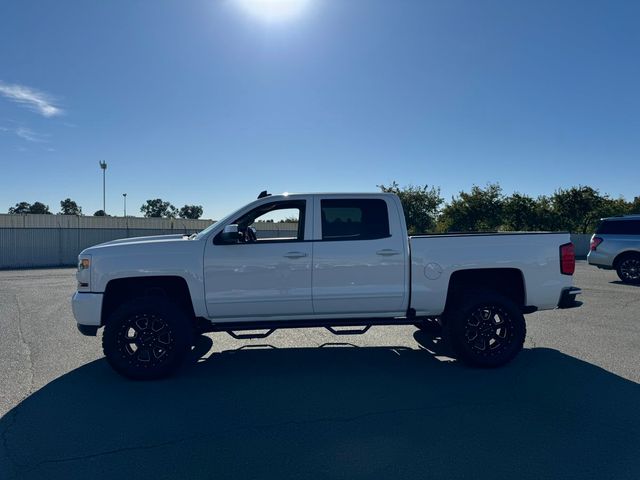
(358, 219)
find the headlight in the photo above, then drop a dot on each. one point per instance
(84, 273)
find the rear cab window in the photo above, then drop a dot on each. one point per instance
(354, 219)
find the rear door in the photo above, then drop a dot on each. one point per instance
(360, 257)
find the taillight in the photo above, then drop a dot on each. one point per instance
(567, 259)
(595, 241)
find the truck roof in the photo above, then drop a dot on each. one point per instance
(329, 194)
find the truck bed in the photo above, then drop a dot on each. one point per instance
(435, 258)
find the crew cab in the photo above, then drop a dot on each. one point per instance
(346, 261)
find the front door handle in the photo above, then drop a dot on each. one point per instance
(387, 252)
(295, 254)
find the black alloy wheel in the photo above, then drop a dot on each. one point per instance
(629, 269)
(488, 329)
(145, 340)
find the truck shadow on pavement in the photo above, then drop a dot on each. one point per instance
(331, 413)
(620, 282)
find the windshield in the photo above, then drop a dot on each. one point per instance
(206, 231)
(223, 220)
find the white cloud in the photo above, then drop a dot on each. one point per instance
(26, 134)
(35, 100)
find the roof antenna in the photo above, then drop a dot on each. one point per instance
(263, 194)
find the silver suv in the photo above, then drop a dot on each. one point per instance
(616, 245)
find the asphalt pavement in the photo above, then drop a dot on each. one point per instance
(308, 404)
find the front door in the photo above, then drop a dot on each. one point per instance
(268, 271)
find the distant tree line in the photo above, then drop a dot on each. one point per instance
(151, 208)
(576, 209)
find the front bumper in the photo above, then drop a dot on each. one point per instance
(87, 310)
(568, 298)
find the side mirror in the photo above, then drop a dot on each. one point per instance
(230, 234)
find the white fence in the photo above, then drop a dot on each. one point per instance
(75, 221)
(32, 241)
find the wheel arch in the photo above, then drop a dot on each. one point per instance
(121, 290)
(504, 281)
(622, 255)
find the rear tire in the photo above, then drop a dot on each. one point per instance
(147, 338)
(628, 268)
(485, 330)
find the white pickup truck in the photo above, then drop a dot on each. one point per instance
(347, 262)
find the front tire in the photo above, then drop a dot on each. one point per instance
(485, 330)
(147, 338)
(628, 269)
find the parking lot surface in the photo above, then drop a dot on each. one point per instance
(307, 404)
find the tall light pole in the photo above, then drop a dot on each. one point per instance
(103, 166)
(124, 195)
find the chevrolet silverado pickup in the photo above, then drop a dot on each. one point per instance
(346, 262)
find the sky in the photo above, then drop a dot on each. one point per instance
(209, 102)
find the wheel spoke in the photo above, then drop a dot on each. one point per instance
(158, 352)
(471, 335)
(131, 335)
(480, 344)
(142, 323)
(475, 320)
(157, 325)
(164, 339)
(144, 355)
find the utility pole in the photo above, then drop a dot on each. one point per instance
(103, 166)
(124, 195)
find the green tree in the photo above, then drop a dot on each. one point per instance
(635, 205)
(524, 213)
(22, 207)
(578, 208)
(191, 211)
(519, 213)
(26, 207)
(39, 208)
(157, 208)
(617, 206)
(421, 205)
(100, 213)
(479, 210)
(548, 219)
(69, 207)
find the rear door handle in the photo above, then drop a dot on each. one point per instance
(295, 254)
(387, 252)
